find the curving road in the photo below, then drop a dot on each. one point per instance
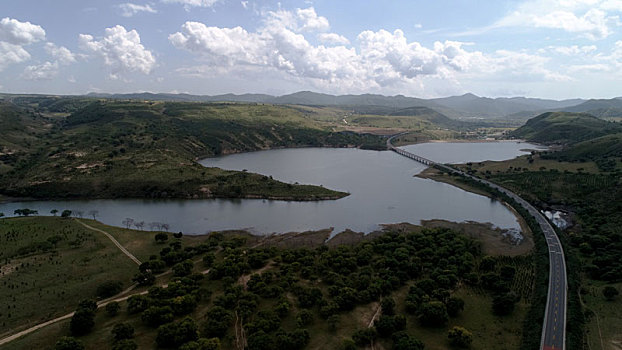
(554, 326)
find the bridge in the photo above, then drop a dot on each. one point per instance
(554, 325)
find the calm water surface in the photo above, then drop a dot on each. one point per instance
(382, 186)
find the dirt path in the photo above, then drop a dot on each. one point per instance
(100, 304)
(122, 248)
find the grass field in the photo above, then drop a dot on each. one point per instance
(603, 327)
(45, 284)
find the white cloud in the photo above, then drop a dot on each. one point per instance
(10, 54)
(60, 53)
(188, 4)
(129, 9)
(15, 32)
(573, 50)
(45, 71)
(379, 60)
(121, 50)
(244, 4)
(333, 38)
(592, 19)
(310, 21)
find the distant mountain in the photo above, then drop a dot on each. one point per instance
(565, 128)
(500, 107)
(599, 108)
(465, 106)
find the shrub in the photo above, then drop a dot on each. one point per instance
(460, 337)
(68, 343)
(109, 288)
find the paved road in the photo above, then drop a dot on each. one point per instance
(554, 326)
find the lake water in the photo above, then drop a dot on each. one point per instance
(383, 190)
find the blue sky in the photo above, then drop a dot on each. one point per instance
(551, 48)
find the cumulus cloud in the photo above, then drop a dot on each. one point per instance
(60, 53)
(573, 50)
(592, 19)
(129, 9)
(333, 38)
(121, 50)
(378, 60)
(15, 32)
(45, 71)
(192, 3)
(10, 53)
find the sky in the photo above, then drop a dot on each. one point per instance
(555, 49)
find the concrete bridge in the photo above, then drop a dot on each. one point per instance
(554, 325)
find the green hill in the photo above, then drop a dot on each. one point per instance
(136, 149)
(565, 128)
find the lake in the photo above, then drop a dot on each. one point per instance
(382, 186)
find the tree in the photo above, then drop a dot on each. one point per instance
(386, 325)
(165, 227)
(139, 225)
(109, 288)
(364, 337)
(125, 344)
(66, 213)
(178, 235)
(82, 322)
(137, 303)
(218, 321)
(161, 237)
(157, 315)
(503, 304)
(610, 292)
(25, 212)
(1, 214)
(173, 335)
(460, 337)
(68, 343)
(388, 306)
(202, 344)
(79, 213)
(112, 308)
(54, 212)
(127, 222)
(94, 214)
(403, 341)
(183, 268)
(433, 314)
(122, 331)
(454, 306)
(144, 278)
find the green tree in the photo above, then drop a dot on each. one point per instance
(112, 308)
(82, 322)
(364, 337)
(202, 344)
(68, 343)
(610, 292)
(65, 214)
(125, 344)
(183, 268)
(403, 341)
(157, 315)
(218, 321)
(503, 304)
(454, 306)
(433, 314)
(460, 337)
(137, 303)
(122, 331)
(54, 212)
(388, 306)
(161, 237)
(174, 334)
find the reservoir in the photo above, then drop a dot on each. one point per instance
(382, 190)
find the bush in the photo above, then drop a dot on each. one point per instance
(202, 344)
(503, 304)
(122, 331)
(68, 343)
(454, 306)
(460, 337)
(112, 308)
(108, 289)
(403, 341)
(157, 315)
(364, 337)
